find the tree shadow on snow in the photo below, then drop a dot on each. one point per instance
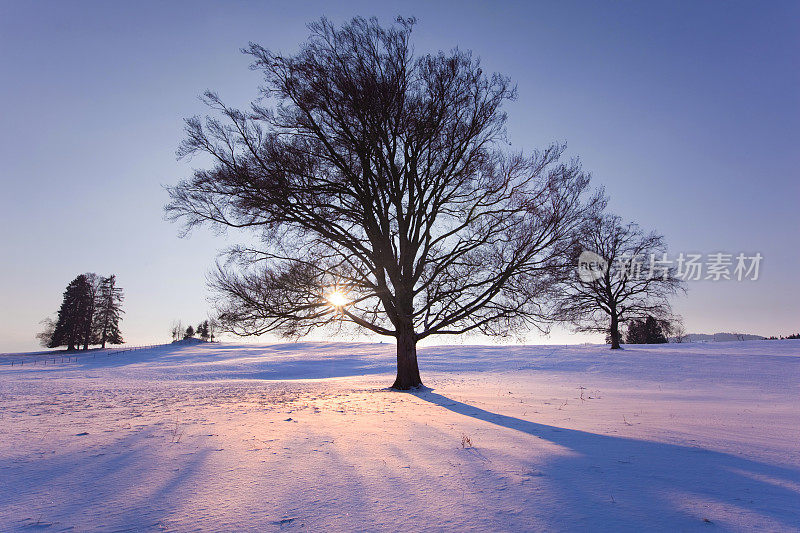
(225, 361)
(618, 482)
(126, 484)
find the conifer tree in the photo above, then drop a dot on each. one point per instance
(108, 308)
(75, 314)
(647, 331)
(203, 330)
(93, 289)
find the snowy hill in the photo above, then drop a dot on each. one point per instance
(305, 436)
(722, 337)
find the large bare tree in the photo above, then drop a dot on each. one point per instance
(622, 274)
(383, 194)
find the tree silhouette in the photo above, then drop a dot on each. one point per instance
(89, 314)
(679, 331)
(647, 331)
(625, 287)
(74, 321)
(176, 330)
(108, 311)
(203, 330)
(383, 191)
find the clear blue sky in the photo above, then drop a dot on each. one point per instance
(688, 113)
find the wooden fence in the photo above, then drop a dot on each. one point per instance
(71, 357)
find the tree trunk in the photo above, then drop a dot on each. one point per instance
(614, 332)
(407, 368)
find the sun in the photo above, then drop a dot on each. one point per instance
(338, 298)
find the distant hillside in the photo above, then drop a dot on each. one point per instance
(721, 337)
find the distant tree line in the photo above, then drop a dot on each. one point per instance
(90, 313)
(206, 330)
(792, 336)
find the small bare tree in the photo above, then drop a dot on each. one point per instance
(176, 330)
(678, 331)
(633, 279)
(46, 335)
(213, 328)
(383, 192)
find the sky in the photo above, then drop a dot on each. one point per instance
(687, 113)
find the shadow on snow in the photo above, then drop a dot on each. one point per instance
(617, 481)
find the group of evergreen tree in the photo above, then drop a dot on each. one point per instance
(205, 330)
(647, 331)
(792, 336)
(89, 315)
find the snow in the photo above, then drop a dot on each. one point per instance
(305, 437)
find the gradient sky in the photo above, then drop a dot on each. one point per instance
(688, 113)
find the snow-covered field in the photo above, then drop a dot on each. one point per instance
(306, 437)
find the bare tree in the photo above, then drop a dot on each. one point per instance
(213, 328)
(46, 335)
(620, 273)
(176, 330)
(383, 192)
(678, 331)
